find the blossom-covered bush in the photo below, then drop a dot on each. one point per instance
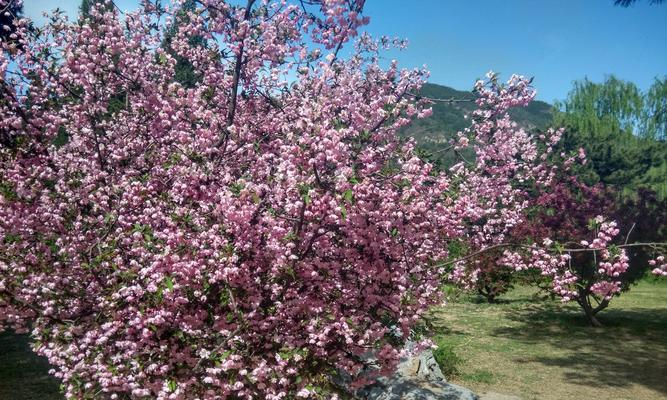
(585, 255)
(245, 235)
(579, 254)
(659, 266)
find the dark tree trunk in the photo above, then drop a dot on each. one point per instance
(590, 314)
(488, 293)
(590, 311)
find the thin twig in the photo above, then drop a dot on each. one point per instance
(629, 232)
(231, 110)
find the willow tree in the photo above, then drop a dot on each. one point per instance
(622, 130)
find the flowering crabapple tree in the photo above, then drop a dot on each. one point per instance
(488, 278)
(584, 255)
(552, 212)
(247, 235)
(591, 274)
(561, 217)
(554, 239)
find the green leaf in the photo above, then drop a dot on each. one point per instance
(290, 237)
(304, 191)
(592, 224)
(7, 191)
(559, 247)
(348, 195)
(236, 188)
(109, 218)
(61, 138)
(169, 282)
(338, 124)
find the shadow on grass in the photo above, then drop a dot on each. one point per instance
(23, 374)
(630, 349)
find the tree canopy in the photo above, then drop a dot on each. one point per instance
(622, 130)
(628, 3)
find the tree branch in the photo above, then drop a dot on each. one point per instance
(231, 109)
(654, 245)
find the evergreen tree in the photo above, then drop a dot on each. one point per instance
(184, 71)
(622, 130)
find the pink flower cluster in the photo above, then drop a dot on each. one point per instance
(549, 263)
(659, 266)
(557, 264)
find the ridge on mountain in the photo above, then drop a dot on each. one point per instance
(433, 133)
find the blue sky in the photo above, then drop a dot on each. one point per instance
(556, 41)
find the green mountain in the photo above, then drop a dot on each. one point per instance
(432, 133)
(618, 157)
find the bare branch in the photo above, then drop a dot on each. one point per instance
(629, 232)
(231, 109)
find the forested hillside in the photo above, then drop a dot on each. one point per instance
(433, 133)
(620, 157)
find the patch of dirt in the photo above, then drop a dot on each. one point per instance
(497, 396)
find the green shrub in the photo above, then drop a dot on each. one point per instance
(447, 359)
(452, 292)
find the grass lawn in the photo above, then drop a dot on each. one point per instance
(545, 350)
(523, 346)
(23, 375)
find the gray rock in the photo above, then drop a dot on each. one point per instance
(422, 366)
(397, 388)
(416, 378)
(428, 368)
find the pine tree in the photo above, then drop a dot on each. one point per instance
(185, 73)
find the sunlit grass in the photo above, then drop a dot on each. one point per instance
(542, 349)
